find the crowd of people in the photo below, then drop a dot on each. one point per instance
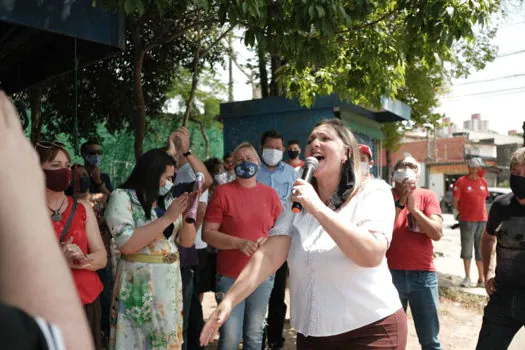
(355, 257)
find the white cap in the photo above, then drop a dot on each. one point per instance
(475, 162)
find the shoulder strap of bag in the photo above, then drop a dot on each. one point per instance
(69, 220)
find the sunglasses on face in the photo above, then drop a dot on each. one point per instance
(50, 144)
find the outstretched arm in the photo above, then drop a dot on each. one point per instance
(266, 260)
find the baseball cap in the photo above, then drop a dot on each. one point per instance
(364, 149)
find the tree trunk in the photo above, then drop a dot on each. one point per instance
(230, 68)
(263, 72)
(274, 86)
(35, 98)
(140, 125)
(194, 83)
(204, 136)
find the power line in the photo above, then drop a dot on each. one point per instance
(492, 79)
(486, 94)
(493, 91)
(510, 53)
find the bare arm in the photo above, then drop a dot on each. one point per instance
(201, 212)
(263, 263)
(97, 256)
(431, 226)
(358, 244)
(33, 273)
(217, 239)
(488, 250)
(198, 166)
(270, 256)
(455, 203)
(187, 235)
(144, 235)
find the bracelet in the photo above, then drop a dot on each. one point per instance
(186, 154)
(398, 205)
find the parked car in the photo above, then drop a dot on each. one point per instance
(495, 192)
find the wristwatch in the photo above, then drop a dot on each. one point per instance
(398, 205)
(187, 153)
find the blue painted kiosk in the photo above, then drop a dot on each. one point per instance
(247, 120)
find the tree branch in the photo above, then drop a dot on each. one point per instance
(369, 24)
(205, 52)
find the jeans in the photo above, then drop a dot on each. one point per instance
(419, 289)
(277, 309)
(503, 317)
(247, 319)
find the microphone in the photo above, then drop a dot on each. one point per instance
(191, 216)
(310, 166)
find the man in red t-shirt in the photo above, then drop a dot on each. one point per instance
(470, 193)
(410, 255)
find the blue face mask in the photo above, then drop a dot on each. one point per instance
(246, 170)
(93, 159)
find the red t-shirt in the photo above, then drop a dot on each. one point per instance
(87, 282)
(247, 213)
(413, 250)
(472, 195)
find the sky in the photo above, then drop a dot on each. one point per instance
(505, 110)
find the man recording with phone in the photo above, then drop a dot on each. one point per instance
(410, 256)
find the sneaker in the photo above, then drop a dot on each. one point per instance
(481, 284)
(466, 283)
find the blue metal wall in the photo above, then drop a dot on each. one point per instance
(293, 125)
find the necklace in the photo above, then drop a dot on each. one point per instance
(57, 215)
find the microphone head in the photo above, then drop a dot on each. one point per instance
(311, 162)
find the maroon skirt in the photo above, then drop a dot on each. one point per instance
(388, 333)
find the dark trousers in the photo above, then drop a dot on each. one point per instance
(193, 320)
(93, 315)
(276, 310)
(106, 297)
(503, 317)
(388, 333)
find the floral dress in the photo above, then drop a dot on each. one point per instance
(146, 312)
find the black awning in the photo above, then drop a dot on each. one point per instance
(38, 38)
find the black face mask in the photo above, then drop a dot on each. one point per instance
(517, 185)
(293, 154)
(83, 184)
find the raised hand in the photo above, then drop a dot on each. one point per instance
(177, 207)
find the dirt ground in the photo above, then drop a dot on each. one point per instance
(460, 321)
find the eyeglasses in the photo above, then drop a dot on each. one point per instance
(50, 144)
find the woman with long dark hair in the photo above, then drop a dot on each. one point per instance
(76, 227)
(146, 222)
(341, 290)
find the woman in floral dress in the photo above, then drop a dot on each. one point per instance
(147, 298)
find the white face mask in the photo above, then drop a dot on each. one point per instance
(166, 188)
(401, 174)
(272, 157)
(221, 178)
(365, 168)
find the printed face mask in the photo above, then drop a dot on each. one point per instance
(246, 170)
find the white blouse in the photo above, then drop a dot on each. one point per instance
(329, 293)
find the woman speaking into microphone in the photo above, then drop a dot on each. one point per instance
(341, 290)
